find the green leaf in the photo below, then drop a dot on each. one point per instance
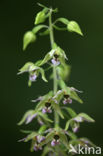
(59, 28)
(42, 129)
(43, 74)
(62, 84)
(30, 112)
(86, 117)
(37, 28)
(71, 112)
(64, 139)
(74, 27)
(47, 57)
(46, 32)
(26, 131)
(75, 96)
(29, 66)
(47, 150)
(41, 16)
(45, 117)
(29, 37)
(62, 20)
(72, 135)
(31, 136)
(56, 108)
(59, 95)
(38, 63)
(67, 124)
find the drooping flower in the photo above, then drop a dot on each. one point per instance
(67, 99)
(36, 147)
(47, 108)
(33, 77)
(55, 60)
(40, 138)
(75, 127)
(56, 140)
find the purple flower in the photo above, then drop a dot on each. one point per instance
(40, 138)
(47, 108)
(36, 147)
(55, 141)
(55, 62)
(33, 77)
(78, 119)
(67, 99)
(30, 118)
(75, 127)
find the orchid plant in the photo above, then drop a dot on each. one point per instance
(53, 138)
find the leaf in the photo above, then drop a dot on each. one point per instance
(47, 57)
(72, 135)
(62, 84)
(37, 28)
(45, 117)
(59, 95)
(63, 20)
(38, 63)
(42, 129)
(30, 112)
(67, 124)
(86, 117)
(27, 67)
(41, 16)
(28, 38)
(43, 74)
(64, 139)
(46, 32)
(87, 141)
(26, 131)
(74, 27)
(47, 150)
(59, 28)
(75, 96)
(57, 109)
(71, 112)
(31, 136)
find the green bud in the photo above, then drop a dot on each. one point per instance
(29, 37)
(74, 27)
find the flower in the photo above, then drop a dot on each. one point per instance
(36, 147)
(75, 127)
(47, 108)
(30, 118)
(33, 77)
(67, 99)
(55, 140)
(55, 60)
(40, 138)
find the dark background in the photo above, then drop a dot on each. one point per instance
(85, 55)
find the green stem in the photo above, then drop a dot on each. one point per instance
(55, 86)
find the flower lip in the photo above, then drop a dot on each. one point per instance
(47, 104)
(66, 96)
(56, 137)
(32, 77)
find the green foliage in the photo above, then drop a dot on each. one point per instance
(50, 135)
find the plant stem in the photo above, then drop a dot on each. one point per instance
(55, 86)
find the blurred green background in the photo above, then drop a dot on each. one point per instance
(85, 55)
